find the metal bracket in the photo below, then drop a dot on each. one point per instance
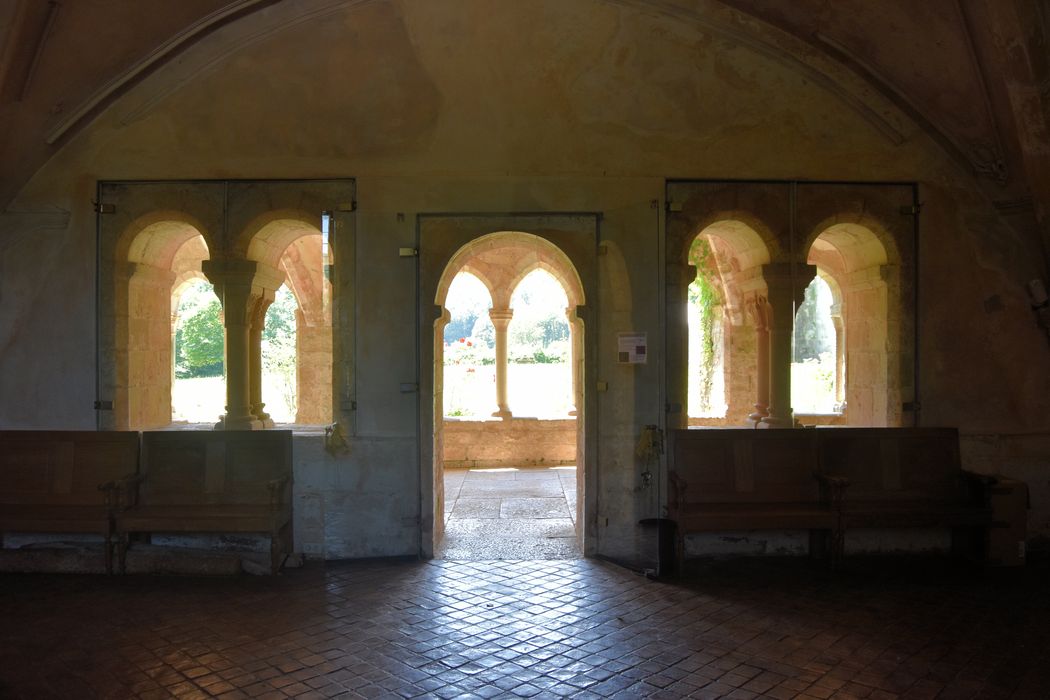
(408, 252)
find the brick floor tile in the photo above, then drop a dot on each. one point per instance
(568, 628)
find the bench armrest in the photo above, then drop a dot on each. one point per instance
(122, 493)
(277, 489)
(832, 488)
(676, 497)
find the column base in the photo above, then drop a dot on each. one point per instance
(263, 417)
(504, 414)
(775, 422)
(241, 423)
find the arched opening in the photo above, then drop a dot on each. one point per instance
(707, 367)
(539, 373)
(470, 350)
(280, 384)
(815, 380)
(504, 481)
(725, 271)
(197, 393)
(161, 257)
(290, 252)
(862, 295)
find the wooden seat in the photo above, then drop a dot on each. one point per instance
(906, 478)
(64, 481)
(211, 482)
(738, 479)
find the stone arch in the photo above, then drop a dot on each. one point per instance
(156, 252)
(750, 239)
(478, 274)
(555, 272)
(265, 238)
(862, 259)
(734, 270)
(530, 249)
(501, 260)
(154, 238)
(287, 247)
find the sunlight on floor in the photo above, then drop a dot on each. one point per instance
(509, 513)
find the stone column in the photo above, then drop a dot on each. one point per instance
(501, 321)
(758, 310)
(570, 314)
(679, 276)
(234, 282)
(785, 288)
(840, 356)
(258, 325)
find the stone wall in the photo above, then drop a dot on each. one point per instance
(517, 442)
(579, 106)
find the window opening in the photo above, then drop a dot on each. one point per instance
(198, 388)
(470, 350)
(814, 355)
(279, 361)
(539, 376)
(707, 390)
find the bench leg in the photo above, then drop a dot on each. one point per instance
(109, 553)
(122, 552)
(280, 546)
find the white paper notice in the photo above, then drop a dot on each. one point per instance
(631, 348)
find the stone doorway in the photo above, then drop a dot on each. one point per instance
(505, 486)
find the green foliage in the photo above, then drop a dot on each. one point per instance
(278, 345)
(198, 334)
(702, 295)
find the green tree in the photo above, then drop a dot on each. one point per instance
(278, 345)
(199, 343)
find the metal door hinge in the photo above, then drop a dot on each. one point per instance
(911, 210)
(102, 208)
(408, 252)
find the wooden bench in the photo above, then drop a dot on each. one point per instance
(906, 478)
(740, 479)
(215, 482)
(64, 481)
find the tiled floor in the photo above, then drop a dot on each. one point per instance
(776, 628)
(519, 514)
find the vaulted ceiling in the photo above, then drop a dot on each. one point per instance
(975, 74)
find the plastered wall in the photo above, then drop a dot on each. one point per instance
(547, 106)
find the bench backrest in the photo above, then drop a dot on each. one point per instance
(196, 467)
(745, 465)
(63, 467)
(895, 463)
